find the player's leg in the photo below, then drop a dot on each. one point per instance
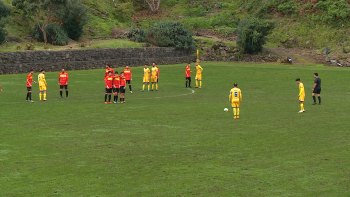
(200, 83)
(319, 97)
(313, 96)
(143, 87)
(40, 92)
(106, 94)
(196, 82)
(234, 110)
(44, 95)
(148, 86)
(66, 87)
(157, 85)
(189, 82)
(152, 85)
(237, 106)
(186, 81)
(61, 87)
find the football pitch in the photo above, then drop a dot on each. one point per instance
(178, 141)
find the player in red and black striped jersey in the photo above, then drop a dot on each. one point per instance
(128, 76)
(63, 82)
(109, 86)
(116, 86)
(122, 87)
(188, 75)
(29, 85)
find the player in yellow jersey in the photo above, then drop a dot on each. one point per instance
(146, 78)
(198, 75)
(154, 76)
(235, 99)
(301, 95)
(42, 84)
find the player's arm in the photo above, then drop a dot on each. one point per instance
(314, 86)
(301, 91)
(130, 75)
(240, 97)
(67, 79)
(230, 97)
(59, 79)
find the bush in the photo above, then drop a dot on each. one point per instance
(55, 34)
(252, 34)
(29, 46)
(137, 34)
(4, 12)
(171, 34)
(124, 12)
(288, 7)
(74, 19)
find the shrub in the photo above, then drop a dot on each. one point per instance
(4, 12)
(137, 34)
(171, 34)
(29, 46)
(252, 34)
(74, 19)
(55, 34)
(18, 47)
(288, 7)
(124, 12)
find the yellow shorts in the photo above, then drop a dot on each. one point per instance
(198, 77)
(302, 98)
(235, 104)
(42, 88)
(146, 80)
(154, 79)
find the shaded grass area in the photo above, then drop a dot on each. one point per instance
(176, 142)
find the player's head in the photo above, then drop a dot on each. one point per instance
(62, 70)
(154, 64)
(196, 63)
(31, 71)
(109, 73)
(189, 64)
(298, 80)
(235, 85)
(122, 74)
(127, 67)
(145, 65)
(42, 71)
(107, 66)
(315, 74)
(116, 73)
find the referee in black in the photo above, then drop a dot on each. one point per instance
(317, 89)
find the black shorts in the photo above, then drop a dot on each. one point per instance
(128, 81)
(64, 86)
(317, 91)
(108, 90)
(188, 78)
(29, 89)
(116, 90)
(122, 89)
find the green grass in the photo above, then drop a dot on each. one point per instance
(177, 143)
(112, 43)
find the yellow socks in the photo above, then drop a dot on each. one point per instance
(234, 111)
(152, 86)
(148, 86)
(40, 95)
(302, 106)
(44, 96)
(200, 84)
(143, 87)
(156, 86)
(237, 112)
(196, 83)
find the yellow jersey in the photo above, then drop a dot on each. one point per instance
(301, 89)
(146, 72)
(199, 69)
(41, 79)
(154, 72)
(235, 95)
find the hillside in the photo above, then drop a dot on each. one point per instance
(299, 24)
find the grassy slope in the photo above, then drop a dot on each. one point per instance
(173, 143)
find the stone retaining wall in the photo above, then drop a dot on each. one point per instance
(22, 62)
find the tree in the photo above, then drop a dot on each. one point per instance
(43, 11)
(252, 34)
(4, 12)
(74, 18)
(154, 6)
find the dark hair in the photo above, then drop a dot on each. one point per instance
(42, 70)
(316, 74)
(116, 72)
(122, 72)
(31, 70)
(235, 84)
(297, 79)
(109, 72)
(154, 63)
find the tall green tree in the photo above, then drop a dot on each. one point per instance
(4, 12)
(252, 34)
(41, 11)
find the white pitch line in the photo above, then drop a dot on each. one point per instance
(176, 95)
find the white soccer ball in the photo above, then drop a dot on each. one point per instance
(225, 110)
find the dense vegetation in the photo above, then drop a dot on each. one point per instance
(310, 24)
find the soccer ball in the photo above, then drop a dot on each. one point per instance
(225, 110)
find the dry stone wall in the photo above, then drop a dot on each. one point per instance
(22, 62)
